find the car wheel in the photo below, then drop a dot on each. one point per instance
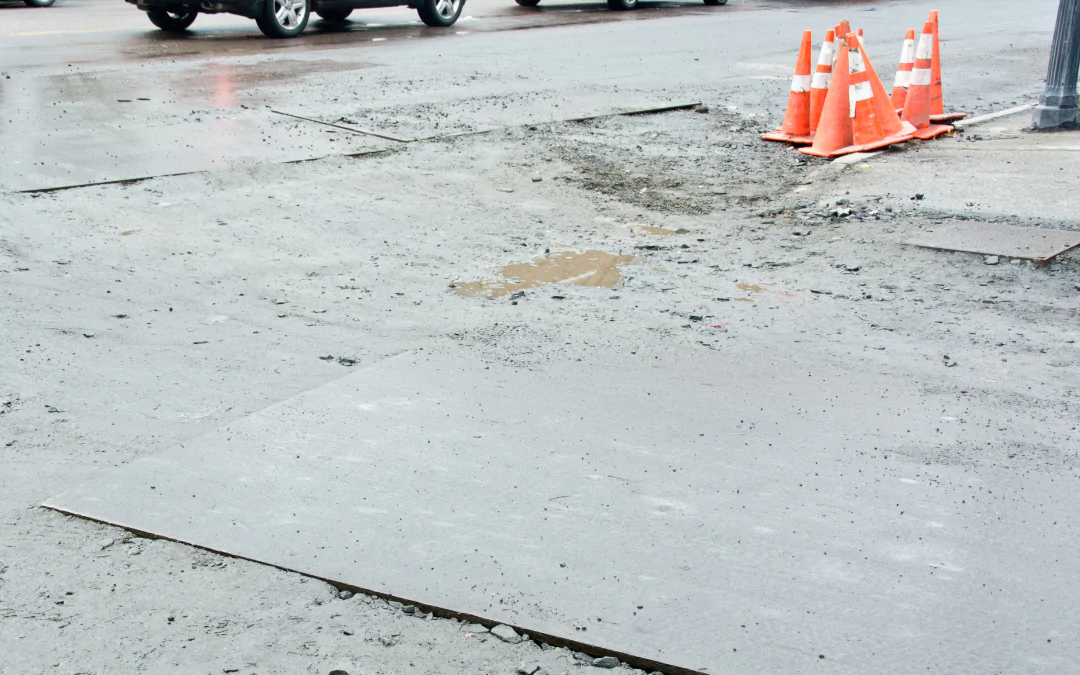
(283, 18)
(172, 19)
(715, 3)
(334, 14)
(622, 4)
(440, 12)
(528, 3)
(39, 3)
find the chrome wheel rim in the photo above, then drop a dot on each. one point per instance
(447, 8)
(290, 13)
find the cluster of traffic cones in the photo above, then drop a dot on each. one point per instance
(842, 106)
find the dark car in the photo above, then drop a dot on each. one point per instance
(286, 18)
(618, 4)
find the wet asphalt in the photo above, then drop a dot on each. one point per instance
(94, 93)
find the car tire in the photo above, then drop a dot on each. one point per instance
(715, 3)
(39, 3)
(283, 18)
(440, 13)
(172, 19)
(335, 15)
(528, 3)
(622, 5)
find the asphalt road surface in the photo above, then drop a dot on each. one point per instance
(93, 92)
(139, 317)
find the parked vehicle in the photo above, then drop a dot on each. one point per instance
(618, 4)
(39, 3)
(285, 18)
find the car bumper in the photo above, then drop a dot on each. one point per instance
(248, 8)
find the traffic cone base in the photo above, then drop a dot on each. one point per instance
(932, 131)
(852, 149)
(781, 137)
(947, 117)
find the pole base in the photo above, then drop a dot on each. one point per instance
(1050, 117)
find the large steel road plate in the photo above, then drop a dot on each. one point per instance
(734, 514)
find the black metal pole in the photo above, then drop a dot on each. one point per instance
(1058, 104)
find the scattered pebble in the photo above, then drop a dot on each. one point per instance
(537, 179)
(527, 668)
(345, 595)
(606, 662)
(800, 231)
(506, 634)
(476, 628)
(409, 609)
(991, 260)
(686, 261)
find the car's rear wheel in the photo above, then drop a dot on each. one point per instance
(38, 3)
(172, 19)
(528, 3)
(622, 4)
(283, 18)
(715, 3)
(337, 15)
(440, 12)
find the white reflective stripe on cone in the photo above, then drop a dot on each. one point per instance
(800, 83)
(821, 80)
(903, 77)
(828, 54)
(920, 77)
(926, 47)
(907, 54)
(855, 62)
(859, 92)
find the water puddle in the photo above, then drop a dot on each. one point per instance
(591, 268)
(652, 229)
(755, 288)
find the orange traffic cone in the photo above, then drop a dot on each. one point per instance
(890, 119)
(937, 100)
(819, 85)
(796, 126)
(917, 106)
(834, 131)
(841, 29)
(853, 119)
(903, 73)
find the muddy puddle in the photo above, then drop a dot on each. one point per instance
(757, 288)
(589, 268)
(652, 229)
